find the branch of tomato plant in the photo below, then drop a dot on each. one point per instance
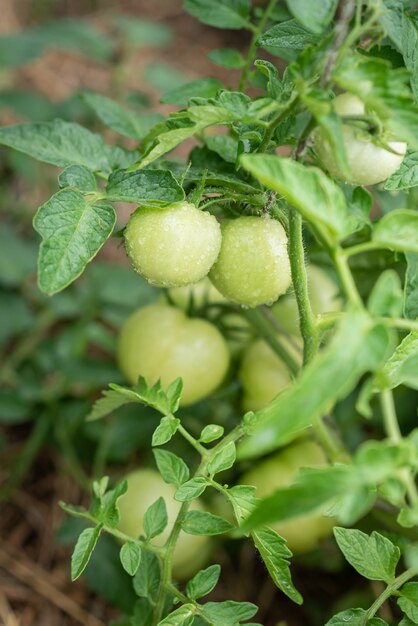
(393, 431)
(389, 591)
(258, 30)
(170, 544)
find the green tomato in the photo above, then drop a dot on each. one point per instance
(253, 265)
(173, 246)
(263, 374)
(145, 486)
(323, 295)
(160, 342)
(369, 163)
(305, 532)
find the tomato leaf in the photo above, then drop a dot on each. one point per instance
(165, 430)
(228, 613)
(211, 432)
(227, 57)
(199, 88)
(79, 177)
(144, 186)
(204, 523)
(123, 121)
(171, 467)
(402, 367)
(191, 489)
(203, 582)
(386, 296)
(373, 556)
(83, 550)
(356, 348)
(147, 578)
(314, 15)
(398, 230)
(130, 557)
(223, 459)
(73, 230)
(275, 554)
(286, 35)
(408, 601)
(385, 91)
(406, 176)
(232, 14)
(117, 395)
(183, 616)
(307, 188)
(355, 617)
(155, 519)
(58, 143)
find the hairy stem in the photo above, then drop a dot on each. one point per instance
(390, 589)
(300, 284)
(253, 44)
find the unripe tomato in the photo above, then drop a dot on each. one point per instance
(263, 374)
(160, 342)
(145, 486)
(302, 533)
(173, 246)
(323, 295)
(238, 330)
(369, 163)
(253, 265)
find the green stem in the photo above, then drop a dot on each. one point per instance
(399, 322)
(308, 328)
(253, 44)
(274, 122)
(193, 442)
(258, 319)
(360, 248)
(394, 433)
(170, 545)
(347, 279)
(390, 589)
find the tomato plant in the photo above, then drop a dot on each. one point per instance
(160, 342)
(172, 246)
(145, 486)
(271, 190)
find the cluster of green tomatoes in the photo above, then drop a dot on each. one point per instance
(243, 261)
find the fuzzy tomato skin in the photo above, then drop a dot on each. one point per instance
(173, 246)
(160, 342)
(263, 375)
(253, 265)
(369, 163)
(303, 533)
(144, 487)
